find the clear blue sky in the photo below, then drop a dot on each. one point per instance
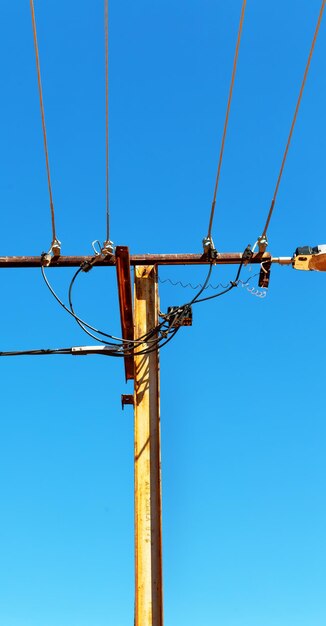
(243, 390)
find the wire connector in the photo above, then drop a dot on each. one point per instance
(264, 274)
(54, 252)
(106, 350)
(56, 247)
(108, 248)
(262, 242)
(46, 259)
(86, 266)
(209, 248)
(180, 316)
(247, 255)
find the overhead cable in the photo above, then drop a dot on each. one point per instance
(56, 245)
(108, 245)
(43, 351)
(233, 283)
(263, 238)
(246, 258)
(208, 240)
(155, 338)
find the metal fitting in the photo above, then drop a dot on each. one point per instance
(86, 266)
(179, 316)
(247, 255)
(262, 243)
(56, 247)
(126, 399)
(108, 248)
(209, 248)
(46, 259)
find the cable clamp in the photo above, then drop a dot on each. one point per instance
(54, 252)
(108, 248)
(262, 242)
(107, 350)
(209, 248)
(56, 247)
(46, 259)
(247, 255)
(86, 266)
(179, 315)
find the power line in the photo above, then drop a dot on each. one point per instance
(232, 285)
(108, 245)
(43, 351)
(106, 28)
(210, 225)
(84, 325)
(55, 246)
(156, 337)
(263, 239)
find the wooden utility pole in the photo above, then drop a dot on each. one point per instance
(144, 369)
(148, 514)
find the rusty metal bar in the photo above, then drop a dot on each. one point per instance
(264, 275)
(125, 302)
(126, 398)
(225, 258)
(148, 500)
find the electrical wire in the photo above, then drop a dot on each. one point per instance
(55, 242)
(36, 352)
(203, 287)
(255, 292)
(56, 296)
(246, 257)
(151, 341)
(124, 346)
(84, 325)
(264, 233)
(233, 284)
(210, 225)
(72, 313)
(158, 336)
(155, 338)
(110, 351)
(179, 283)
(107, 173)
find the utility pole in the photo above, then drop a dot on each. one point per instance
(136, 321)
(148, 500)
